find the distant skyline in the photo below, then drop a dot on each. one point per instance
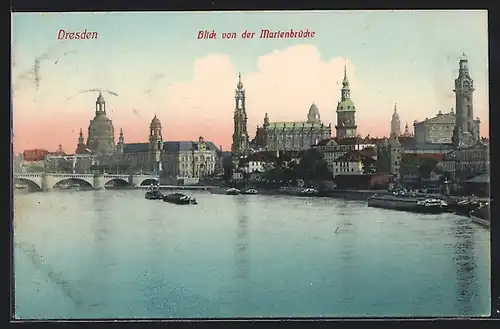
(156, 65)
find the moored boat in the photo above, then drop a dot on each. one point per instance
(408, 202)
(233, 191)
(250, 191)
(179, 198)
(465, 206)
(154, 193)
(309, 192)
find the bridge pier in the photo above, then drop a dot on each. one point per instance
(98, 182)
(47, 182)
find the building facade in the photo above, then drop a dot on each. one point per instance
(353, 162)
(189, 160)
(389, 155)
(467, 162)
(292, 136)
(346, 112)
(435, 130)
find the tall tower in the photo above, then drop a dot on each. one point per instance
(466, 130)
(346, 111)
(240, 134)
(155, 144)
(81, 147)
(395, 123)
(121, 142)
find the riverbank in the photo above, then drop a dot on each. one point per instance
(334, 193)
(483, 222)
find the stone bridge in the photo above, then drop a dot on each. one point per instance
(47, 181)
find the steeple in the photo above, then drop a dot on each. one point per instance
(121, 142)
(121, 139)
(395, 111)
(80, 138)
(81, 147)
(395, 123)
(239, 86)
(266, 120)
(407, 130)
(240, 134)
(345, 91)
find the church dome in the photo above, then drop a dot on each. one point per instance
(347, 105)
(313, 115)
(313, 109)
(101, 134)
(155, 123)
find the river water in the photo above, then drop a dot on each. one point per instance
(114, 254)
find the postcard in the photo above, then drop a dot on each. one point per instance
(250, 164)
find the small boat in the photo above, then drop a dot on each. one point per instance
(250, 191)
(436, 206)
(179, 198)
(309, 192)
(233, 191)
(465, 206)
(154, 193)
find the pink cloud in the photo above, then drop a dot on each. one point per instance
(284, 85)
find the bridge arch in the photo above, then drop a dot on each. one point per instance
(116, 182)
(32, 185)
(85, 182)
(149, 181)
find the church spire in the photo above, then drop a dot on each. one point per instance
(240, 134)
(345, 91)
(121, 139)
(80, 137)
(239, 86)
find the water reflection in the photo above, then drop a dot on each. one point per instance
(242, 237)
(464, 264)
(347, 265)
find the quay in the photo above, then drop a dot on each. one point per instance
(481, 221)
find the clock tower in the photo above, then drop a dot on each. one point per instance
(346, 111)
(466, 132)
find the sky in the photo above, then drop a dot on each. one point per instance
(155, 64)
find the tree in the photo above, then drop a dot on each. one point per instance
(383, 164)
(369, 166)
(410, 165)
(427, 165)
(312, 166)
(228, 166)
